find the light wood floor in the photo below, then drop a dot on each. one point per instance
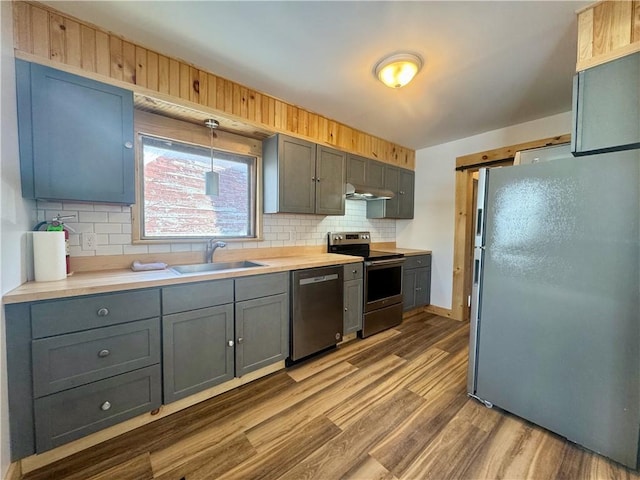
(392, 406)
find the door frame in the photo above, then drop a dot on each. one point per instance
(465, 166)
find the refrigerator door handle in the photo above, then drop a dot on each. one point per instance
(483, 178)
(478, 257)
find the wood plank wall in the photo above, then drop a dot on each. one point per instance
(46, 34)
(607, 30)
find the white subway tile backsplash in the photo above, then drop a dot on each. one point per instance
(112, 224)
(93, 217)
(108, 228)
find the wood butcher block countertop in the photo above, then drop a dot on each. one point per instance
(408, 252)
(86, 283)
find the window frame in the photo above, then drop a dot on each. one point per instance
(165, 128)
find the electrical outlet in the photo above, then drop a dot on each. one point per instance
(89, 241)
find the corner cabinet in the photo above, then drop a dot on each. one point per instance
(606, 107)
(302, 177)
(402, 183)
(76, 137)
(416, 282)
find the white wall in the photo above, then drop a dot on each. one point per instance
(17, 215)
(433, 225)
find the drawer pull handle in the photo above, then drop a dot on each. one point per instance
(105, 406)
(103, 312)
(418, 289)
(419, 262)
(104, 353)
(230, 343)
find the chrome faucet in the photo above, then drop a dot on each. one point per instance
(211, 248)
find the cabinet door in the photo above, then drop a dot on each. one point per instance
(406, 194)
(262, 332)
(330, 181)
(375, 174)
(196, 350)
(392, 182)
(422, 286)
(409, 290)
(81, 137)
(356, 169)
(352, 306)
(297, 161)
(607, 107)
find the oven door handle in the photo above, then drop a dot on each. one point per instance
(375, 263)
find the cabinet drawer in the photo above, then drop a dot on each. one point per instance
(261, 285)
(353, 271)
(181, 298)
(416, 261)
(84, 313)
(72, 414)
(71, 360)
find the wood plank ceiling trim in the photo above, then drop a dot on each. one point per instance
(607, 30)
(44, 35)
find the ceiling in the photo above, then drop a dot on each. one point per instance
(488, 64)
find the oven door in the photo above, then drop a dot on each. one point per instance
(382, 283)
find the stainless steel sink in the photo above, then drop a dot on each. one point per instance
(214, 267)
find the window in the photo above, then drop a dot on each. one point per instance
(174, 204)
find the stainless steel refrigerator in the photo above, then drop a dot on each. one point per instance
(555, 334)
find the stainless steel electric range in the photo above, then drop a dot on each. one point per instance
(382, 280)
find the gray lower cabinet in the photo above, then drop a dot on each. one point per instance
(198, 350)
(72, 414)
(302, 177)
(353, 298)
(76, 137)
(262, 333)
(216, 340)
(606, 107)
(416, 282)
(78, 365)
(402, 183)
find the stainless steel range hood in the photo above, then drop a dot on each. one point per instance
(362, 192)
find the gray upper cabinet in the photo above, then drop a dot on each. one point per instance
(356, 169)
(76, 137)
(363, 171)
(401, 182)
(606, 107)
(302, 177)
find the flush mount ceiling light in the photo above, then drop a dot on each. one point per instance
(397, 70)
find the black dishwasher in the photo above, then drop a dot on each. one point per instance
(316, 310)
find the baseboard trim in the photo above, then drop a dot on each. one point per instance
(443, 312)
(13, 472)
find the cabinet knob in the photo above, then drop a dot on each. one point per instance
(354, 272)
(418, 289)
(313, 179)
(318, 179)
(230, 343)
(104, 353)
(128, 145)
(401, 192)
(346, 309)
(419, 262)
(103, 312)
(240, 339)
(105, 406)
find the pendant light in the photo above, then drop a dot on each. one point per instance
(212, 179)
